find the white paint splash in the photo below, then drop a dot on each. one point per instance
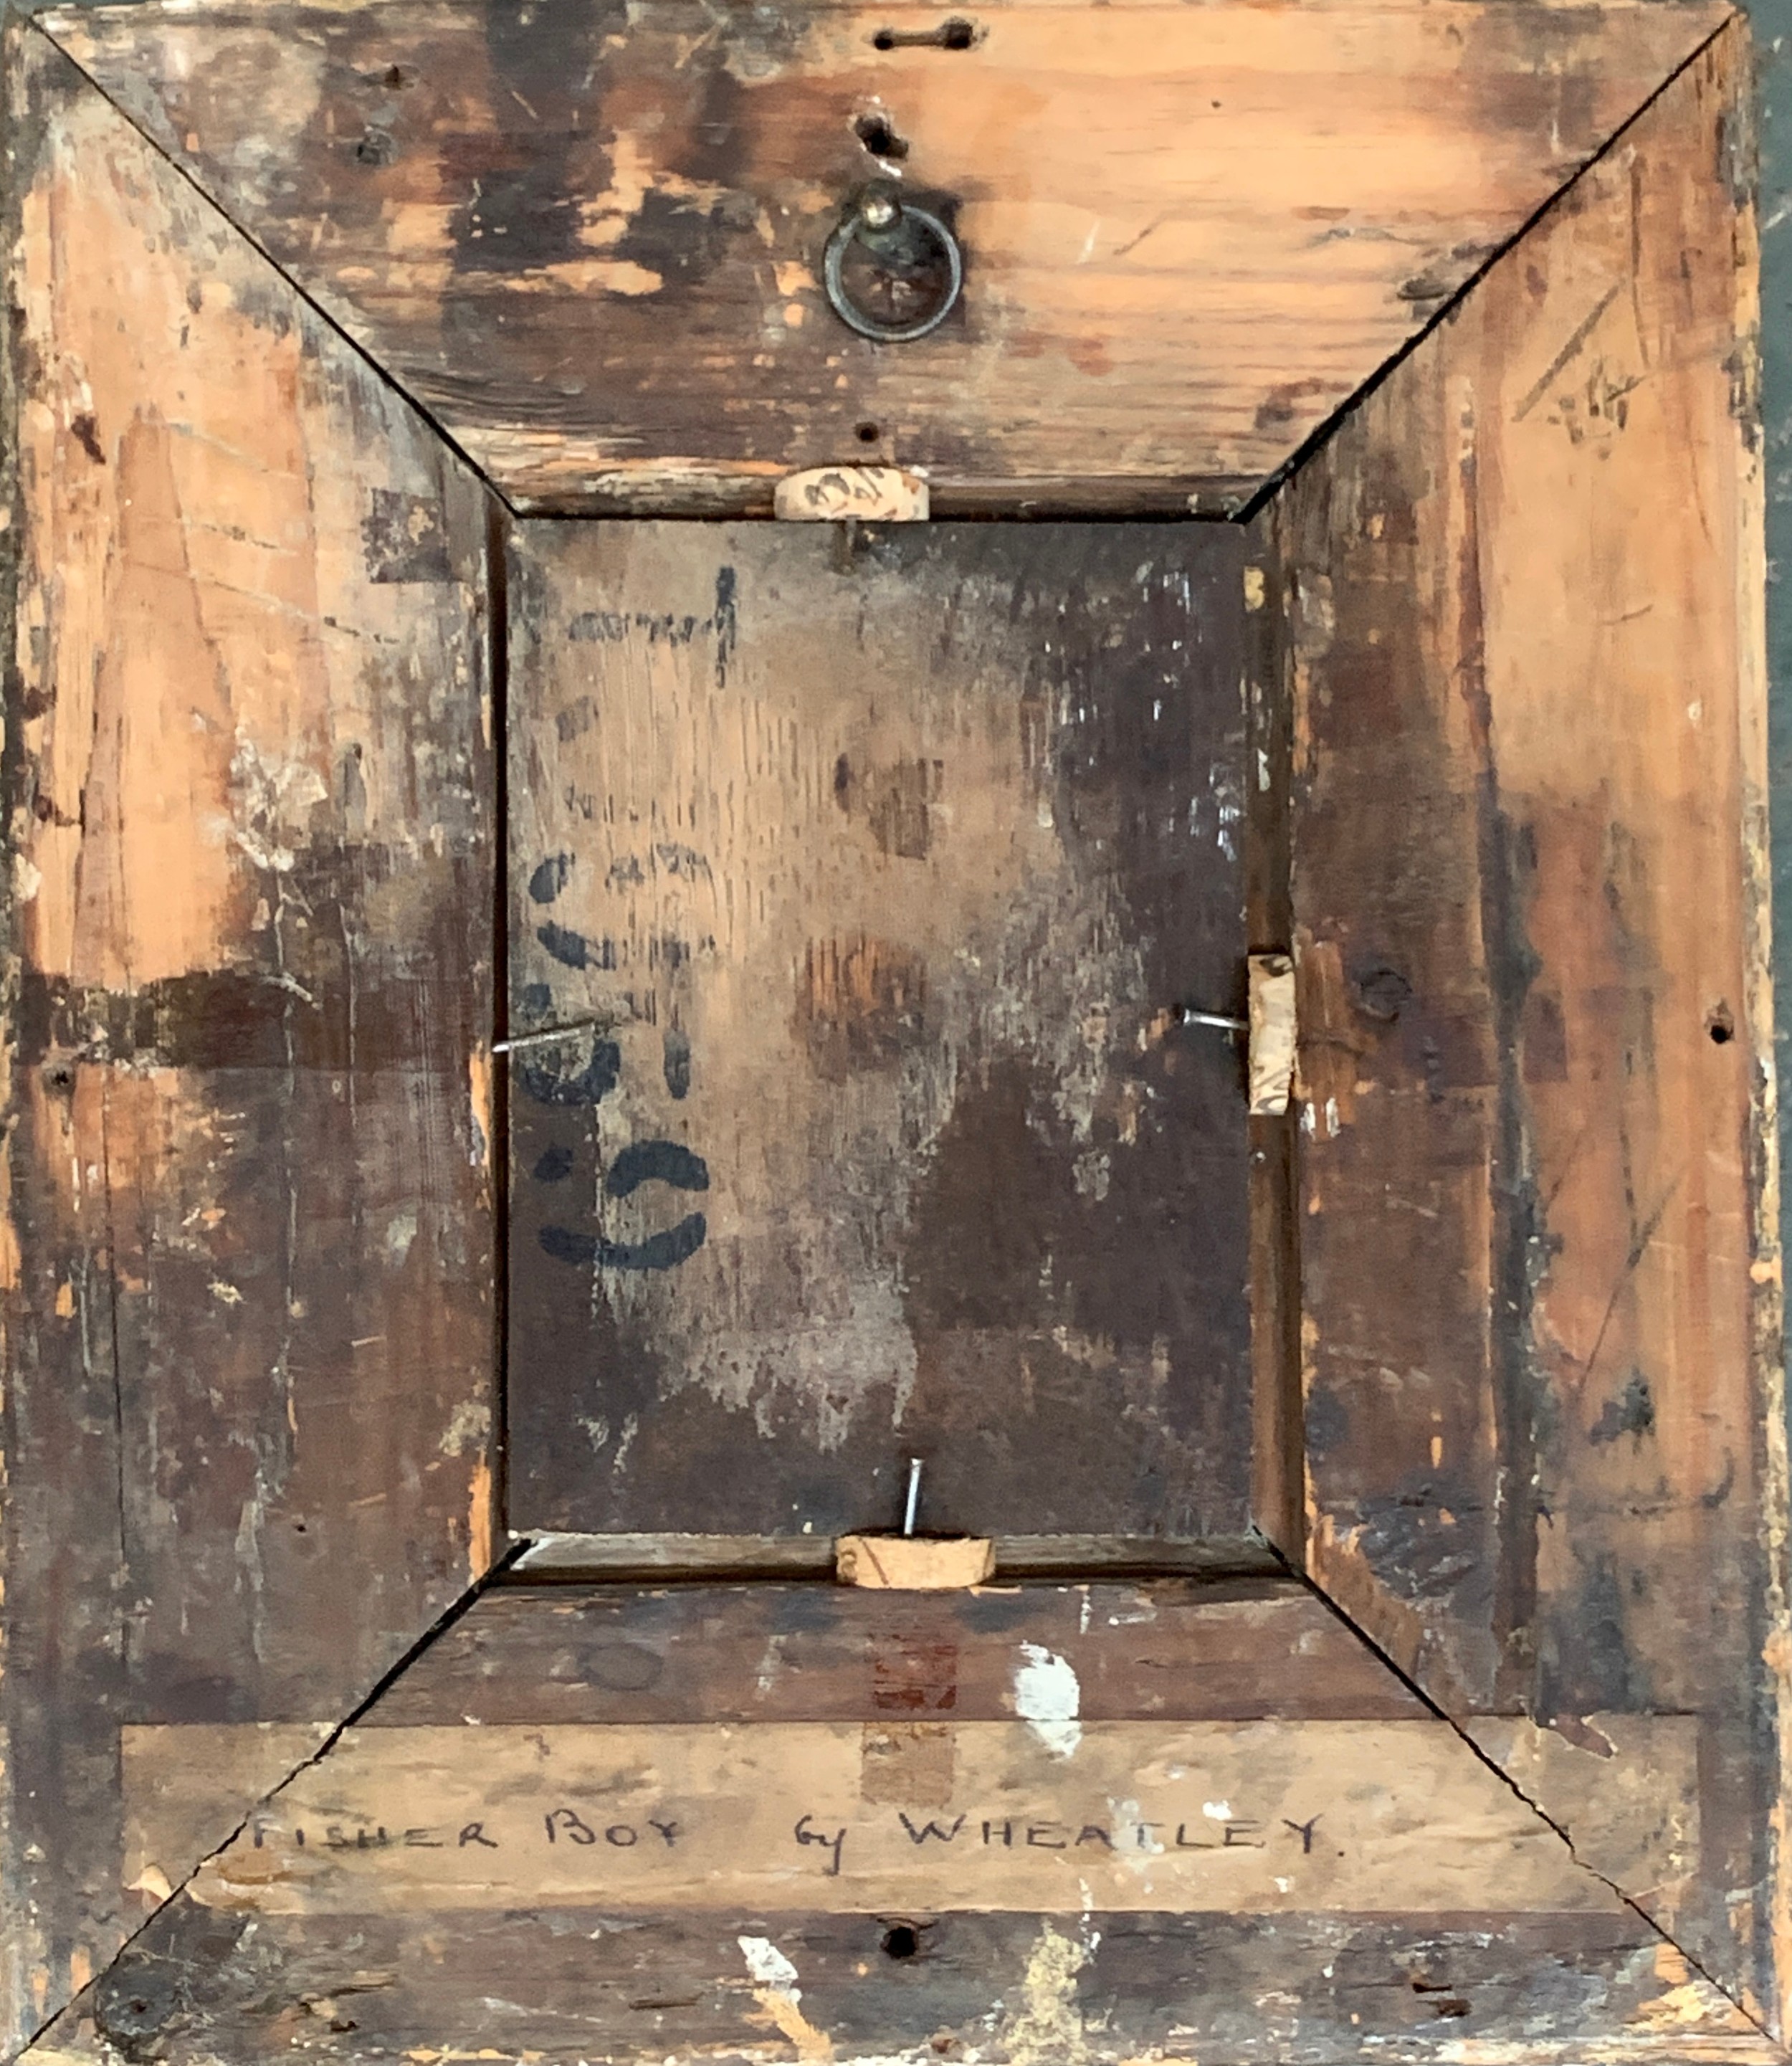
(771, 1661)
(775, 1990)
(1142, 1847)
(1049, 2029)
(1047, 1699)
(769, 1966)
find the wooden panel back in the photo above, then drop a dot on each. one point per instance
(873, 873)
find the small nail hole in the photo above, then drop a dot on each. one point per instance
(874, 132)
(1722, 1030)
(901, 1941)
(868, 434)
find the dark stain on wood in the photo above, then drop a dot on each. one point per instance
(1211, 1651)
(917, 853)
(1531, 1233)
(404, 538)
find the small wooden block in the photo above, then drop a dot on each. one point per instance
(872, 494)
(912, 1563)
(1272, 994)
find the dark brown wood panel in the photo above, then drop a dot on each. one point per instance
(1540, 1265)
(577, 1984)
(873, 870)
(1201, 1650)
(589, 239)
(249, 1258)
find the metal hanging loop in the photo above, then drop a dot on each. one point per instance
(892, 270)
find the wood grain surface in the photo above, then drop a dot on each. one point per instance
(1544, 1413)
(762, 1988)
(428, 1902)
(1182, 1650)
(1050, 1813)
(871, 873)
(589, 241)
(576, 1704)
(248, 1249)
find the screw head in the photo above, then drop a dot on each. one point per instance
(878, 210)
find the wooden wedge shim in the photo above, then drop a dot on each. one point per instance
(1271, 1007)
(872, 494)
(913, 1563)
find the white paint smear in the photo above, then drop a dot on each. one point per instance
(769, 1966)
(1047, 1697)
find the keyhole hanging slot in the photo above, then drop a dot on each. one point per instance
(955, 34)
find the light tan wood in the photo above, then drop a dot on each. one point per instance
(1272, 1034)
(871, 494)
(1626, 1785)
(1190, 233)
(1538, 1216)
(187, 1786)
(1358, 1818)
(914, 1563)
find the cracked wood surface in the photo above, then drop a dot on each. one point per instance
(250, 1249)
(588, 240)
(1538, 1217)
